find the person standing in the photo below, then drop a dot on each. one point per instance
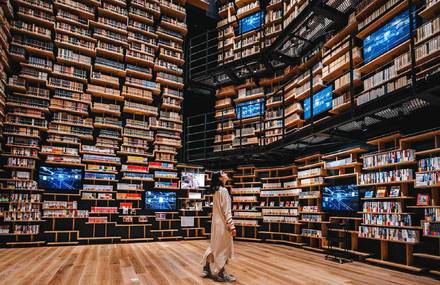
(221, 247)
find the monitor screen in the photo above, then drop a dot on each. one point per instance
(250, 109)
(250, 23)
(390, 35)
(191, 180)
(158, 200)
(322, 101)
(60, 178)
(340, 198)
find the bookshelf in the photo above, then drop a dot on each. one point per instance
(388, 174)
(279, 205)
(310, 179)
(426, 185)
(192, 201)
(96, 85)
(166, 226)
(245, 193)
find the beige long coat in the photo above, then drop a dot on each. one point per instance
(221, 246)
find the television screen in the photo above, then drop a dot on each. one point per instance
(322, 101)
(250, 23)
(157, 200)
(192, 180)
(59, 178)
(341, 198)
(390, 35)
(250, 109)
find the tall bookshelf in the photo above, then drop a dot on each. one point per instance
(343, 168)
(245, 199)
(279, 205)
(388, 173)
(310, 178)
(192, 202)
(426, 183)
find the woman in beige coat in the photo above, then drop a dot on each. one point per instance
(221, 247)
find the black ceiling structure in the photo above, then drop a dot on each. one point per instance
(296, 40)
(407, 110)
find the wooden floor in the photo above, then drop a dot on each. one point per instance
(178, 263)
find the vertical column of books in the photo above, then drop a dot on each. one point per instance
(98, 193)
(249, 119)
(273, 21)
(311, 180)
(225, 27)
(337, 59)
(6, 13)
(279, 205)
(192, 213)
(224, 115)
(389, 176)
(426, 191)
(248, 37)
(273, 114)
(108, 71)
(383, 69)
(427, 48)
(136, 115)
(341, 197)
(68, 125)
(163, 201)
(310, 87)
(292, 108)
(169, 73)
(245, 193)
(25, 120)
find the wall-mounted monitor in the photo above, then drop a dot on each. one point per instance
(191, 180)
(160, 200)
(340, 198)
(390, 35)
(60, 178)
(251, 22)
(322, 101)
(250, 109)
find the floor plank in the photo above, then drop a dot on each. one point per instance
(178, 262)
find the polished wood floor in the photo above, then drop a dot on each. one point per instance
(178, 263)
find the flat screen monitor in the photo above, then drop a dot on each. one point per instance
(160, 200)
(390, 35)
(60, 178)
(251, 22)
(340, 198)
(322, 101)
(250, 109)
(191, 180)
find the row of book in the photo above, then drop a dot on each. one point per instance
(387, 158)
(432, 214)
(280, 219)
(401, 235)
(65, 213)
(21, 198)
(427, 179)
(382, 207)
(311, 218)
(431, 229)
(247, 190)
(386, 176)
(429, 164)
(280, 193)
(309, 172)
(398, 220)
(280, 212)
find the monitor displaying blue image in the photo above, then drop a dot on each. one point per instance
(390, 35)
(160, 200)
(250, 109)
(322, 101)
(340, 198)
(60, 178)
(249, 23)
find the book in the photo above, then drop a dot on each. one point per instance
(395, 191)
(423, 199)
(381, 192)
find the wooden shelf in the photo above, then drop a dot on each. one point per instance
(395, 264)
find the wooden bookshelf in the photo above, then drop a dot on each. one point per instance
(193, 201)
(245, 199)
(279, 205)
